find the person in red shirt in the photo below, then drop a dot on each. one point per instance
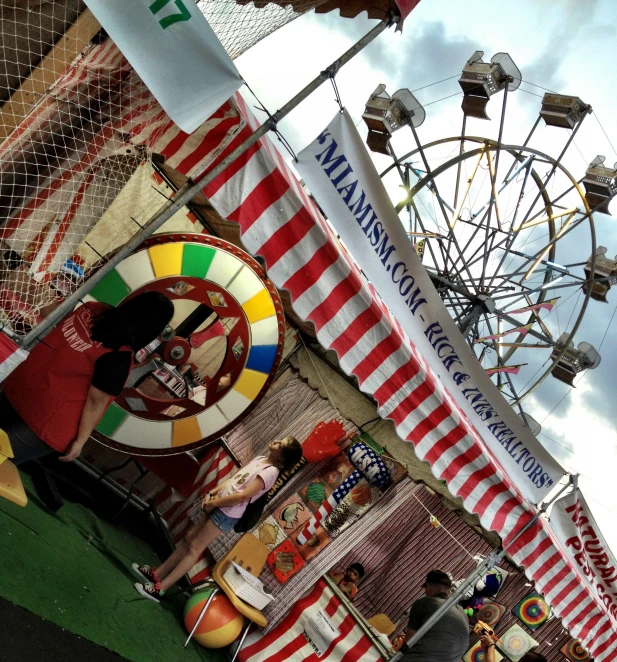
(55, 398)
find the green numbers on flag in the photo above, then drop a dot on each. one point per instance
(183, 13)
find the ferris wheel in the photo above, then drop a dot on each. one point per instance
(505, 231)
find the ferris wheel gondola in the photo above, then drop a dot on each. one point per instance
(505, 231)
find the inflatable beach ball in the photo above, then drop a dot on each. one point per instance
(221, 624)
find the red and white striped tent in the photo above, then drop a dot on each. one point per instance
(123, 121)
(278, 221)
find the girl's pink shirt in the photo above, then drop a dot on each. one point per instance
(244, 476)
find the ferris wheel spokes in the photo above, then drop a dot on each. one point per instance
(491, 243)
(473, 272)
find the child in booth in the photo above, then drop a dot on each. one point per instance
(223, 507)
(348, 581)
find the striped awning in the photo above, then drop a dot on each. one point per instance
(288, 642)
(280, 222)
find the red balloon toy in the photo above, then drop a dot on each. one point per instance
(321, 443)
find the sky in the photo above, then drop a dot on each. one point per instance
(564, 46)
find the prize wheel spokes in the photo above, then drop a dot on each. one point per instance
(504, 231)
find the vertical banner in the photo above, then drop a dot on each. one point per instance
(340, 174)
(175, 52)
(580, 536)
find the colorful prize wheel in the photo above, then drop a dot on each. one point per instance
(216, 359)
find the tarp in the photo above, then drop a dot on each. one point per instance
(278, 220)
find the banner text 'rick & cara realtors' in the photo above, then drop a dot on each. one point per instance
(340, 173)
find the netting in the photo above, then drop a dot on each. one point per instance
(240, 24)
(78, 130)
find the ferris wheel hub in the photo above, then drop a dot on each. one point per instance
(487, 303)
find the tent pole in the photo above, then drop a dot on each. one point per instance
(192, 188)
(489, 562)
(358, 618)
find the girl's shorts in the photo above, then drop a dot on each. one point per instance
(224, 522)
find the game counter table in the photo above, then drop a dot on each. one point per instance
(352, 641)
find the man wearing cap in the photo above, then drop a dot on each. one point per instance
(448, 639)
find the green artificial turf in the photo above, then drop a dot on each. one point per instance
(74, 570)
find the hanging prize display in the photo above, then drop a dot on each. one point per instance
(532, 611)
(367, 465)
(575, 651)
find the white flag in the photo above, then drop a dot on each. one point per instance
(175, 52)
(580, 536)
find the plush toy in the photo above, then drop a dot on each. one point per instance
(321, 443)
(487, 587)
(368, 465)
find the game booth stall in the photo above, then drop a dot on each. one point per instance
(277, 332)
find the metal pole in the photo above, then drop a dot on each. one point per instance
(244, 634)
(489, 562)
(493, 174)
(589, 281)
(558, 160)
(503, 119)
(465, 326)
(192, 188)
(435, 190)
(201, 615)
(533, 128)
(458, 169)
(227, 449)
(10, 333)
(360, 620)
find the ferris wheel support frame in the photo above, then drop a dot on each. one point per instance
(516, 151)
(493, 176)
(563, 152)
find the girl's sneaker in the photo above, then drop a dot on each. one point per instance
(145, 572)
(149, 590)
